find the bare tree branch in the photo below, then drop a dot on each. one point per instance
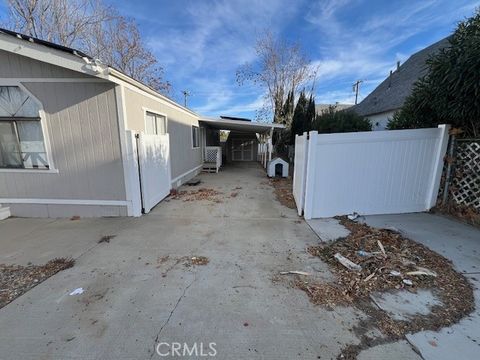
(92, 27)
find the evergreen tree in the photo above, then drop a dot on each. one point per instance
(299, 117)
(310, 114)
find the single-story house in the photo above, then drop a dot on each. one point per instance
(78, 137)
(388, 97)
(320, 108)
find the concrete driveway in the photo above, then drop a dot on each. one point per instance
(138, 293)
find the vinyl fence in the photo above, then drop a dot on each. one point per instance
(381, 172)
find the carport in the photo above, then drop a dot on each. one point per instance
(247, 141)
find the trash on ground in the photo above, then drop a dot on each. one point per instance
(395, 273)
(77, 291)
(353, 216)
(16, 280)
(295, 272)
(407, 282)
(347, 263)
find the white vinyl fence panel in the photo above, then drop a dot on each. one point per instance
(154, 161)
(300, 161)
(382, 172)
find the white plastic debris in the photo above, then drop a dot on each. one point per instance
(395, 273)
(347, 263)
(407, 282)
(353, 216)
(77, 291)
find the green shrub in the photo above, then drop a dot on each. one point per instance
(450, 92)
(332, 121)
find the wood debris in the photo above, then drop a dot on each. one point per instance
(295, 272)
(400, 264)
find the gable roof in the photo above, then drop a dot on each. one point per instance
(392, 92)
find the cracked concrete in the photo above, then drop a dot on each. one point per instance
(134, 299)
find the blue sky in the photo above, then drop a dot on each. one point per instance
(201, 43)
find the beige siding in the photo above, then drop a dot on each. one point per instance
(179, 122)
(15, 66)
(81, 119)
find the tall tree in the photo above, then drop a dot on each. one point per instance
(281, 67)
(310, 114)
(92, 27)
(299, 117)
(450, 91)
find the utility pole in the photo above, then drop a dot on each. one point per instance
(356, 89)
(186, 94)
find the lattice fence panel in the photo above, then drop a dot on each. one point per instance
(465, 189)
(211, 155)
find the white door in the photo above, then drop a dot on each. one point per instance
(154, 164)
(242, 150)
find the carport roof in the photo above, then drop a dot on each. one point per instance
(239, 125)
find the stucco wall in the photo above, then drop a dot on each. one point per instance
(183, 158)
(379, 121)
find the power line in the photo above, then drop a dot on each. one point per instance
(356, 89)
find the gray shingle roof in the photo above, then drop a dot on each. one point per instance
(392, 92)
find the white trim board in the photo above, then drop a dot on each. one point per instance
(186, 173)
(64, 202)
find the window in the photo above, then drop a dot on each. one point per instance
(155, 124)
(21, 137)
(195, 137)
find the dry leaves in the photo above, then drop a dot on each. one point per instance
(384, 272)
(206, 194)
(15, 280)
(283, 190)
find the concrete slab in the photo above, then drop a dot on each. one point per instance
(461, 244)
(400, 350)
(328, 229)
(135, 297)
(403, 305)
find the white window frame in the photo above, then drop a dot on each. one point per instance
(198, 137)
(43, 124)
(147, 110)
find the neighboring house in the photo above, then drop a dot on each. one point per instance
(388, 97)
(320, 108)
(68, 143)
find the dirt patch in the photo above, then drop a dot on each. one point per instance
(283, 191)
(388, 261)
(16, 280)
(202, 194)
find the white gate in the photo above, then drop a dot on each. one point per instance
(300, 163)
(154, 169)
(378, 172)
